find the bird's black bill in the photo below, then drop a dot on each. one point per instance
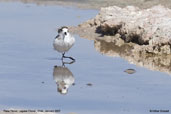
(57, 36)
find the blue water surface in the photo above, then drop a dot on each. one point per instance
(27, 61)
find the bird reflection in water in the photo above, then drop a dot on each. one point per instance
(63, 78)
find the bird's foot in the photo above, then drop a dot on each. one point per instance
(69, 58)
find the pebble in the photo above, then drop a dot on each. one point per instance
(89, 84)
(130, 71)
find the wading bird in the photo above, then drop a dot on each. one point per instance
(63, 41)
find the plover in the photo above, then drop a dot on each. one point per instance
(63, 41)
(63, 78)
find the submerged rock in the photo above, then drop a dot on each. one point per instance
(89, 84)
(130, 71)
(148, 29)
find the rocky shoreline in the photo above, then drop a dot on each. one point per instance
(160, 63)
(147, 31)
(97, 4)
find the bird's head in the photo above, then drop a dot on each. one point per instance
(63, 88)
(63, 30)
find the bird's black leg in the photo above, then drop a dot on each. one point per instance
(63, 56)
(63, 63)
(69, 58)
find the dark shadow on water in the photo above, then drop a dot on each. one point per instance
(64, 63)
(63, 77)
(70, 61)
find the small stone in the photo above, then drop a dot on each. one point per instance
(130, 71)
(89, 84)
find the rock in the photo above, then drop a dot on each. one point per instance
(130, 71)
(89, 84)
(95, 4)
(149, 28)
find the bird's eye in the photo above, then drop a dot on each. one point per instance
(65, 33)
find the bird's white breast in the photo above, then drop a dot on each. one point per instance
(63, 74)
(63, 44)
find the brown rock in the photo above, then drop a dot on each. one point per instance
(150, 27)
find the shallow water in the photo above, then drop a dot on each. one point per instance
(27, 66)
